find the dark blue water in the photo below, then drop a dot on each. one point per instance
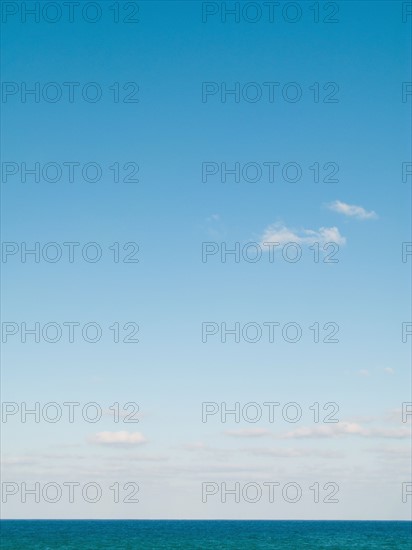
(239, 535)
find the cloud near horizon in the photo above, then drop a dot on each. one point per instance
(278, 452)
(348, 428)
(252, 432)
(326, 431)
(118, 438)
(352, 210)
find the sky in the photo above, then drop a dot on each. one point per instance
(157, 138)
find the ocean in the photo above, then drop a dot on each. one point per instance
(237, 535)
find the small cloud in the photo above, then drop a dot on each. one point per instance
(352, 210)
(347, 428)
(295, 453)
(332, 430)
(213, 226)
(363, 372)
(118, 438)
(197, 446)
(205, 450)
(389, 370)
(394, 415)
(280, 234)
(362, 419)
(256, 432)
(18, 461)
(392, 452)
(389, 433)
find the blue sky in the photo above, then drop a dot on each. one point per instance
(170, 292)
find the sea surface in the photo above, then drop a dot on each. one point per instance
(239, 535)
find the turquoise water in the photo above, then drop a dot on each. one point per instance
(239, 535)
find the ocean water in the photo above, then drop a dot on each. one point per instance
(239, 535)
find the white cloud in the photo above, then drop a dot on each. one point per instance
(347, 428)
(295, 453)
(118, 438)
(197, 446)
(279, 233)
(254, 432)
(392, 452)
(214, 227)
(389, 433)
(389, 370)
(18, 461)
(394, 415)
(363, 372)
(352, 210)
